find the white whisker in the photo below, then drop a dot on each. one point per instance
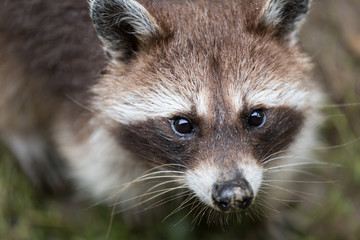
(168, 199)
(191, 210)
(197, 219)
(183, 205)
(159, 193)
(300, 164)
(356, 104)
(298, 181)
(339, 146)
(162, 183)
(299, 171)
(294, 192)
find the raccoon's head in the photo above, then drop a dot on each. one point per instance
(213, 89)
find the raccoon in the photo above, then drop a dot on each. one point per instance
(213, 96)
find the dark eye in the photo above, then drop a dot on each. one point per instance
(256, 119)
(182, 126)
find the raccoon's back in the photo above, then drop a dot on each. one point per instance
(53, 40)
(49, 57)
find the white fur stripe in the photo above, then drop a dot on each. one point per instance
(141, 105)
(203, 102)
(274, 95)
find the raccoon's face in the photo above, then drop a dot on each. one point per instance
(213, 90)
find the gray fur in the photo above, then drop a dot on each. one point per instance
(285, 16)
(121, 25)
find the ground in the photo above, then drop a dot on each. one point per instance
(332, 37)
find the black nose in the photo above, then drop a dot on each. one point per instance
(232, 195)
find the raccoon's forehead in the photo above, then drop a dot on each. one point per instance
(167, 97)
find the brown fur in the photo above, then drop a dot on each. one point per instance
(212, 55)
(53, 54)
(50, 39)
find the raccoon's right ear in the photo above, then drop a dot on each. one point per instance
(282, 18)
(123, 26)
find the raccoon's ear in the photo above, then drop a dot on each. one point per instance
(124, 26)
(284, 17)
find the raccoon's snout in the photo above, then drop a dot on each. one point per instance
(232, 195)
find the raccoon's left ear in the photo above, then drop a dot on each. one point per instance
(124, 26)
(283, 18)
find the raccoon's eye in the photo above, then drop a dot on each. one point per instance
(182, 126)
(256, 119)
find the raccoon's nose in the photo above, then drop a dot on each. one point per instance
(232, 195)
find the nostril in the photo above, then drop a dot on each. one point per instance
(232, 195)
(224, 206)
(245, 203)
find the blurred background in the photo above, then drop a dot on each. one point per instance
(331, 36)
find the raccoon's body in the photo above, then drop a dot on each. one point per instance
(210, 93)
